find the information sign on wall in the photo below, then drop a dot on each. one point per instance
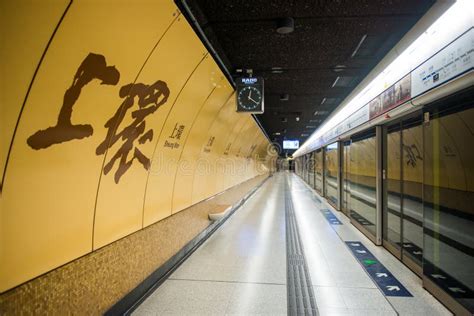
(452, 61)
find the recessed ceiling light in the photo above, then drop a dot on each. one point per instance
(284, 97)
(320, 112)
(285, 25)
(277, 133)
(339, 68)
(277, 70)
(297, 118)
(358, 45)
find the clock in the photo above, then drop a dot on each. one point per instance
(249, 94)
(249, 98)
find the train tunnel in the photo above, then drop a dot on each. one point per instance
(209, 157)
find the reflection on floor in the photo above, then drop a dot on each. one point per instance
(241, 269)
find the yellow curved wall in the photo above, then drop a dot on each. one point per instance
(123, 112)
(456, 152)
(362, 158)
(455, 137)
(34, 23)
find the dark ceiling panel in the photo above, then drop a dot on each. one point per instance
(317, 43)
(333, 47)
(237, 10)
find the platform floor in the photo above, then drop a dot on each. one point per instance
(242, 268)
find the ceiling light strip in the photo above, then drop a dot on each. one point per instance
(358, 45)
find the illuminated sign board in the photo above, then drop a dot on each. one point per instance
(291, 144)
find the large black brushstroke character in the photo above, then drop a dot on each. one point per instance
(94, 66)
(150, 98)
(412, 155)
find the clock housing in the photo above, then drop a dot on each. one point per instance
(249, 95)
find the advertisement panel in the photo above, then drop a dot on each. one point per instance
(395, 95)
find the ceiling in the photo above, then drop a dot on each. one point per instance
(334, 45)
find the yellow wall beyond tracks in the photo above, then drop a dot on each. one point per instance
(127, 121)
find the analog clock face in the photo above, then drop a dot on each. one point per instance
(249, 98)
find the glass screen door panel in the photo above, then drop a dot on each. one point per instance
(392, 210)
(346, 145)
(308, 163)
(331, 173)
(362, 177)
(412, 189)
(305, 168)
(448, 260)
(318, 161)
(311, 170)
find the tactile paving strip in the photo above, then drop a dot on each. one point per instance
(301, 299)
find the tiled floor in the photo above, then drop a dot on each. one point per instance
(241, 268)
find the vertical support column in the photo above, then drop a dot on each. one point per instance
(379, 177)
(384, 199)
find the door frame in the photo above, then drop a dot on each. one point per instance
(344, 194)
(398, 253)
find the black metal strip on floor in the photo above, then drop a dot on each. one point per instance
(300, 292)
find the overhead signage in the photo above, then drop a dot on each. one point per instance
(358, 118)
(395, 95)
(250, 95)
(291, 144)
(450, 62)
(384, 279)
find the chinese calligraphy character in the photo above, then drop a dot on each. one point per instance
(412, 154)
(448, 151)
(94, 66)
(177, 131)
(149, 99)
